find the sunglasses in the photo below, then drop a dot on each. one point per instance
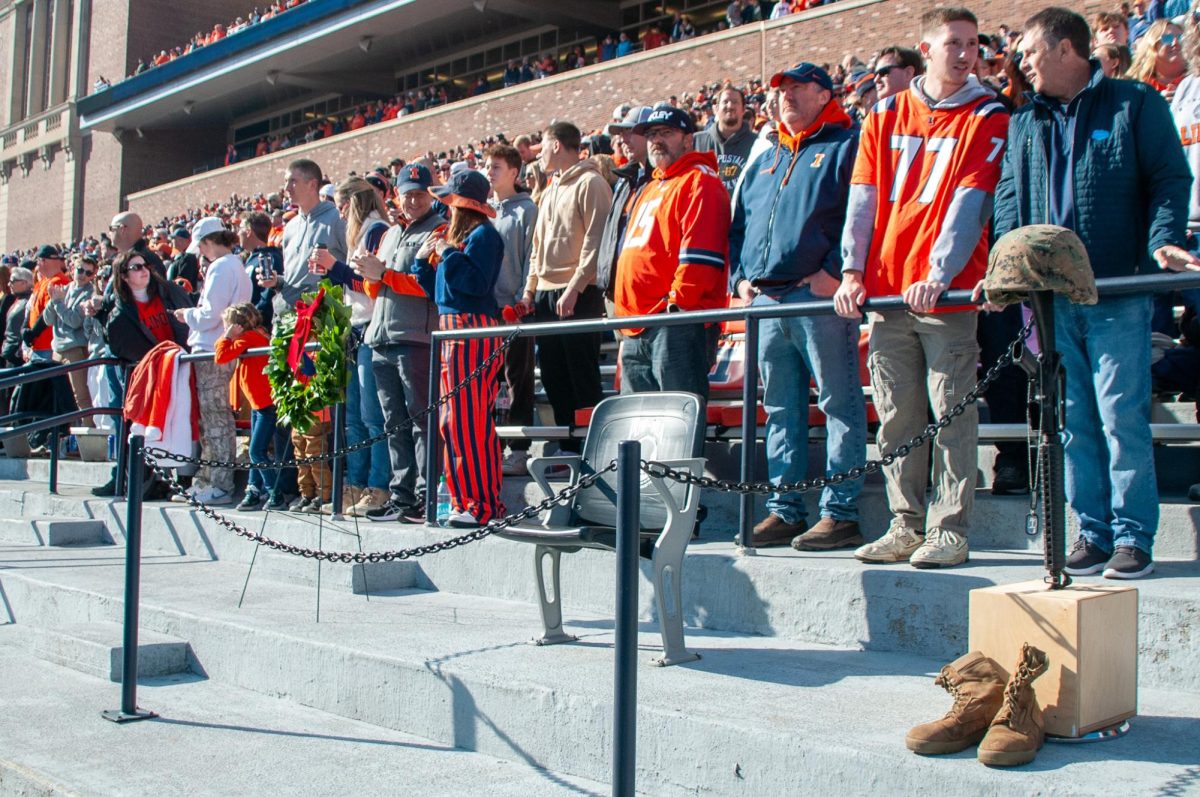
(138, 266)
(115, 227)
(1169, 39)
(85, 272)
(884, 71)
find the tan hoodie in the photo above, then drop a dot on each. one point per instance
(570, 223)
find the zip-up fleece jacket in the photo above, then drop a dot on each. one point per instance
(677, 241)
(570, 224)
(1130, 179)
(789, 212)
(403, 313)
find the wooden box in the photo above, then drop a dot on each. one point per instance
(1090, 634)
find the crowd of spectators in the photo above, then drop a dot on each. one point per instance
(665, 208)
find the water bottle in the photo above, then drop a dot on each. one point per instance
(443, 501)
(503, 404)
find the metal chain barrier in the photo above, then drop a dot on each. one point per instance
(504, 346)
(361, 557)
(1011, 354)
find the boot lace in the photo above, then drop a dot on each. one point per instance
(945, 680)
(1029, 668)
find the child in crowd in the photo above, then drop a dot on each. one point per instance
(244, 331)
(461, 280)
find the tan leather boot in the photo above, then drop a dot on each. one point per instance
(977, 685)
(1018, 730)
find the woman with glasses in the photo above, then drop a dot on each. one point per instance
(143, 309)
(1159, 60)
(66, 318)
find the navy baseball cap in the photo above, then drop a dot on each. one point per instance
(49, 252)
(413, 177)
(636, 116)
(804, 72)
(666, 116)
(181, 232)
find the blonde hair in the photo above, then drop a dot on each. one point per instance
(1145, 60)
(245, 315)
(363, 201)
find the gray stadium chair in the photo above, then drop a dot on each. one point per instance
(670, 427)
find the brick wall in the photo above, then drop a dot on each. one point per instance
(7, 25)
(587, 96)
(102, 195)
(35, 204)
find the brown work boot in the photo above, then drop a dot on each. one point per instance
(828, 535)
(977, 686)
(776, 531)
(1018, 730)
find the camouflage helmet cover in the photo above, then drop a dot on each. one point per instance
(1039, 257)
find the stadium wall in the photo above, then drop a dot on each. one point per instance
(587, 96)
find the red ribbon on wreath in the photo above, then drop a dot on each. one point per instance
(298, 360)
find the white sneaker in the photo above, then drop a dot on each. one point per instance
(942, 548)
(182, 498)
(213, 496)
(462, 520)
(894, 546)
(516, 463)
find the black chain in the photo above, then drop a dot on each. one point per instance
(504, 346)
(361, 557)
(1011, 354)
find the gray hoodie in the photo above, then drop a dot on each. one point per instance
(514, 221)
(321, 225)
(400, 316)
(65, 317)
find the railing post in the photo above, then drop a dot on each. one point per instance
(629, 455)
(432, 433)
(133, 565)
(122, 450)
(54, 443)
(749, 436)
(339, 463)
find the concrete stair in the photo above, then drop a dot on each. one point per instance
(53, 531)
(813, 666)
(98, 649)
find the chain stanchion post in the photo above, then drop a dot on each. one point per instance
(749, 436)
(122, 448)
(629, 476)
(339, 463)
(129, 711)
(54, 451)
(432, 435)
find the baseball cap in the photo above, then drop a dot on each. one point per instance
(413, 177)
(636, 116)
(804, 72)
(457, 167)
(49, 252)
(667, 116)
(467, 189)
(207, 226)
(180, 232)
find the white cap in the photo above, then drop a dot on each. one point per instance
(326, 191)
(206, 226)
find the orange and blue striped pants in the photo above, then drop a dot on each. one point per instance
(471, 449)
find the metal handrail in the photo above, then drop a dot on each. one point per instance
(1109, 286)
(28, 373)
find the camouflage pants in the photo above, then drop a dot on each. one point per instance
(217, 429)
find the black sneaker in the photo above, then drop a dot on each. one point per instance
(251, 501)
(1085, 559)
(276, 503)
(106, 490)
(392, 510)
(413, 513)
(1010, 480)
(1129, 562)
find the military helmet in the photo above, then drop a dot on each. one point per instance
(1040, 257)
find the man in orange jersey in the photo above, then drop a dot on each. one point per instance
(674, 258)
(921, 195)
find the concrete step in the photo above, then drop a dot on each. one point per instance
(97, 648)
(215, 739)
(754, 716)
(53, 531)
(826, 598)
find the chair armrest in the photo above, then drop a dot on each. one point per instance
(694, 465)
(538, 466)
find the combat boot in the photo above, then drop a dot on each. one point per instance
(1019, 729)
(977, 686)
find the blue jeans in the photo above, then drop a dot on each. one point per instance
(669, 358)
(1110, 479)
(790, 352)
(364, 418)
(262, 432)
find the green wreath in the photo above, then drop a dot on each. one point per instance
(297, 404)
